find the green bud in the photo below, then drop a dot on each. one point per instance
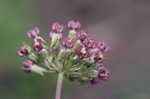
(37, 69)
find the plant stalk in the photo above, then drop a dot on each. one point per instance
(59, 85)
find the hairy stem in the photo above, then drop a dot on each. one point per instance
(59, 85)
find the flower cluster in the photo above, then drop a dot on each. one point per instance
(77, 54)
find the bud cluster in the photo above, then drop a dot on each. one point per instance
(77, 55)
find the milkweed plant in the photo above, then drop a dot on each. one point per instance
(70, 53)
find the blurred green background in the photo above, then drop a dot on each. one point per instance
(123, 24)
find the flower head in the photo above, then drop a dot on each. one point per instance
(76, 54)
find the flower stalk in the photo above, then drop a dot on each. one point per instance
(59, 85)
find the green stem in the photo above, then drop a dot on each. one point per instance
(59, 85)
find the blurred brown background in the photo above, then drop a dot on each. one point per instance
(123, 24)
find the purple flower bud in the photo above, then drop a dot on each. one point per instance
(99, 57)
(68, 43)
(74, 24)
(23, 50)
(90, 43)
(103, 47)
(27, 66)
(83, 52)
(57, 27)
(82, 35)
(32, 33)
(103, 73)
(27, 63)
(38, 44)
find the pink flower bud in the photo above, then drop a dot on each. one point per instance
(83, 52)
(90, 43)
(38, 44)
(23, 50)
(57, 27)
(33, 32)
(74, 24)
(103, 47)
(27, 63)
(82, 35)
(103, 73)
(68, 43)
(99, 57)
